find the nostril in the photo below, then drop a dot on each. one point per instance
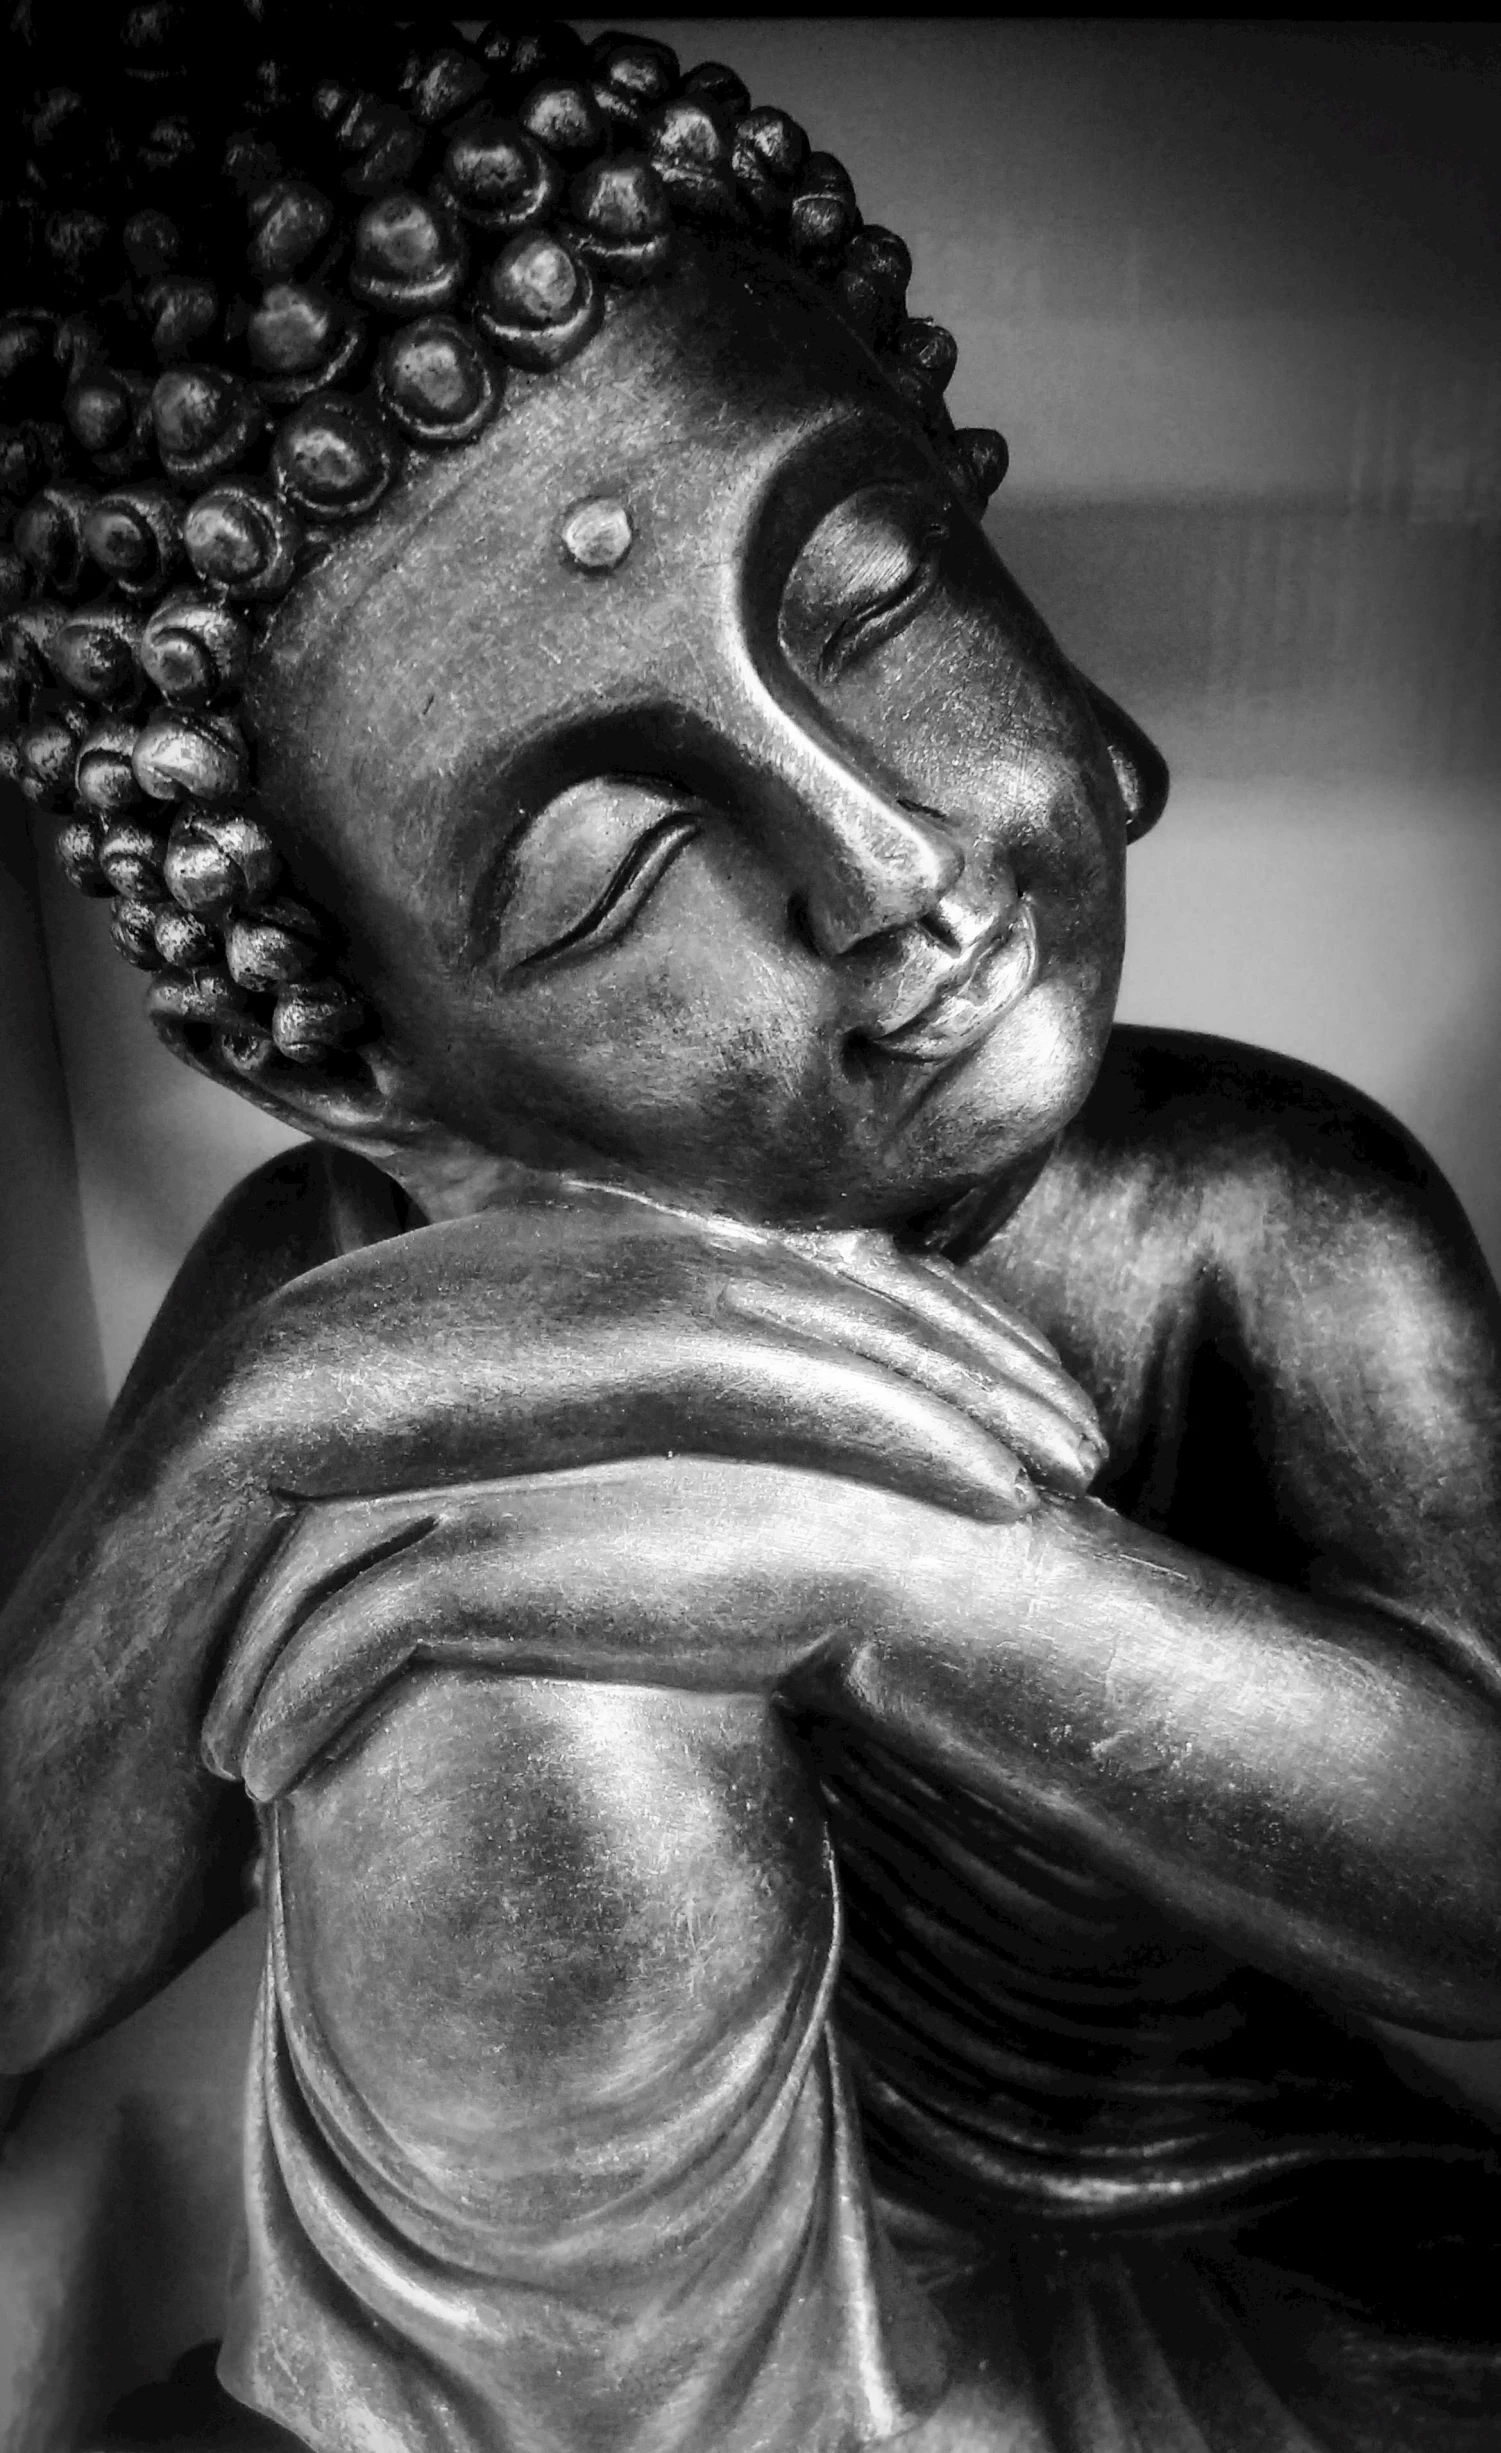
(920, 809)
(937, 925)
(800, 925)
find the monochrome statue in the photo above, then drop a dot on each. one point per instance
(848, 1620)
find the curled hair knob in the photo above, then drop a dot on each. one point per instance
(131, 856)
(645, 71)
(29, 455)
(134, 535)
(712, 82)
(48, 750)
(824, 216)
(132, 924)
(206, 421)
(289, 223)
(301, 340)
(331, 460)
(267, 950)
(770, 150)
(76, 849)
(207, 997)
(527, 53)
(436, 383)
(153, 244)
(980, 459)
(49, 535)
(219, 861)
(870, 287)
(183, 754)
(194, 649)
(94, 654)
(691, 145)
(103, 777)
(562, 114)
(497, 178)
(440, 86)
(182, 313)
(408, 258)
(625, 221)
(538, 302)
(315, 1017)
(928, 350)
(242, 539)
(28, 634)
(77, 345)
(109, 417)
(631, 77)
(183, 940)
(384, 145)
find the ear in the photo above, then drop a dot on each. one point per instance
(363, 1100)
(1140, 768)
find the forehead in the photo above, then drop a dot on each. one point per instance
(444, 651)
(698, 405)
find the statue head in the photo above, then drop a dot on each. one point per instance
(496, 600)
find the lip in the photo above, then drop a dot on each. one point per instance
(965, 1010)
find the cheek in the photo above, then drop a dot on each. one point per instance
(706, 1006)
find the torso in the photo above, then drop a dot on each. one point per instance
(1133, 2058)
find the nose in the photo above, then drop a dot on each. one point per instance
(973, 909)
(860, 860)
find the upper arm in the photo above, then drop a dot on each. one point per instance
(1294, 1340)
(1366, 1328)
(284, 1219)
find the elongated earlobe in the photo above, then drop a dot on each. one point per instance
(1140, 768)
(362, 1100)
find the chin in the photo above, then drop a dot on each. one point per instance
(1009, 1099)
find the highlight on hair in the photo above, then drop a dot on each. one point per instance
(262, 262)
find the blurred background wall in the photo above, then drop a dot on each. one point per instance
(1231, 291)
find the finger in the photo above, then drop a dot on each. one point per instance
(998, 1337)
(1052, 1443)
(874, 1258)
(322, 1548)
(471, 1358)
(592, 1370)
(697, 1573)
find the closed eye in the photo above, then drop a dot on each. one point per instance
(882, 616)
(868, 567)
(630, 888)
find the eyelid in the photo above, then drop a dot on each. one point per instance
(882, 615)
(635, 879)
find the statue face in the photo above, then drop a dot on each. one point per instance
(703, 801)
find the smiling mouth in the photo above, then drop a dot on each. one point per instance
(967, 1008)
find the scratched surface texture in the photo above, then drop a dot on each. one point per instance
(1231, 292)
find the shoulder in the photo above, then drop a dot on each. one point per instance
(298, 1210)
(1176, 1100)
(1280, 1309)
(1211, 1195)
(1242, 1159)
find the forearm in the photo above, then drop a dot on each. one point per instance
(1301, 1783)
(116, 1843)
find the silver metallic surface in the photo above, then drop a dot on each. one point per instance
(862, 1629)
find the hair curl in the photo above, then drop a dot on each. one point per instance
(252, 289)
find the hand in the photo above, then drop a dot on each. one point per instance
(694, 1572)
(573, 1328)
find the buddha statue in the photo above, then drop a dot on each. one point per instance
(847, 1619)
